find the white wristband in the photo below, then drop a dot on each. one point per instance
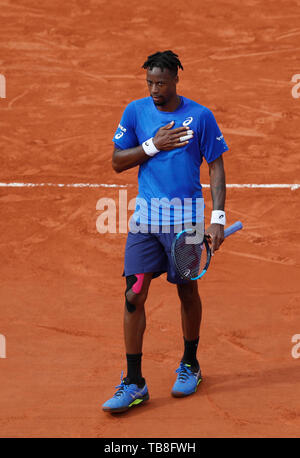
(218, 217)
(149, 147)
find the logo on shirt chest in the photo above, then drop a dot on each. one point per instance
(188, 121)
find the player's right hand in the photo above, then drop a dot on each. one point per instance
(167, 138)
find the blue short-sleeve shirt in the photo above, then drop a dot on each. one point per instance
(171, 174)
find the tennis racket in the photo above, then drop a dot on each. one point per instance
(192, 260)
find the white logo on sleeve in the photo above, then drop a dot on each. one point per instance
(220, 138)
(120, 134)
(117, 136)
(188, 121)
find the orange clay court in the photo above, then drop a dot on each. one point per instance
(71, 68)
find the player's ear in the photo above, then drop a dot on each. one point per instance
(176, 79)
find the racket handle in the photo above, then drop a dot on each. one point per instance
(233, 228)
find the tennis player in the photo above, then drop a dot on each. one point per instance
(167, 136)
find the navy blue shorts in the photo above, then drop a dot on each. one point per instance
(151, 252)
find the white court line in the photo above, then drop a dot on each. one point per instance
(291, 186)
(62, 185)
(253, 185)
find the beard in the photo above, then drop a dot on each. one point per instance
(159, 102)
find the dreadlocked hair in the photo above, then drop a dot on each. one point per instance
(166, 59)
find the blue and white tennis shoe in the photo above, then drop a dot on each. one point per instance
(187, 381)
(126, 396)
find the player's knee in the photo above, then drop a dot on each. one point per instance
(135, 296)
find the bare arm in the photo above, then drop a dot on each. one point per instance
(128, 158)
(165, 139)
(217, 183)
(218, 194)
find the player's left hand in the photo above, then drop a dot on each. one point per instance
(215, 234)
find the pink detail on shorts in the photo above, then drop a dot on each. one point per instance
(138, 284)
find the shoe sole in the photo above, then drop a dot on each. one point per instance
(181, 394)
(135, 403)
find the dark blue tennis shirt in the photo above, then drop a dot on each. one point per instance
(170, 176)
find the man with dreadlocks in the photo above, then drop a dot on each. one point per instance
(167, 136)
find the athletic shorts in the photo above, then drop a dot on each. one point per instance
(151, 252)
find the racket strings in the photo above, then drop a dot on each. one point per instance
(190, 258)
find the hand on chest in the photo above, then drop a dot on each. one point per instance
(149, 127)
